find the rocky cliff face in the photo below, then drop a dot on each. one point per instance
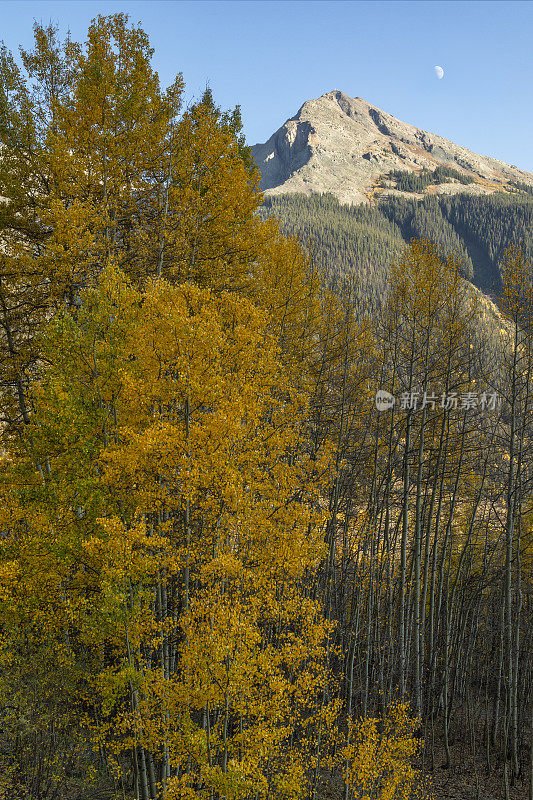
(346, 146)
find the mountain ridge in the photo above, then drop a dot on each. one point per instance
(350, 148)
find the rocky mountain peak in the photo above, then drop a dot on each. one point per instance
(349, 147)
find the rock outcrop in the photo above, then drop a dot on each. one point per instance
(346, 146)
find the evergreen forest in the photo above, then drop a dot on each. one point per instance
(361, 241)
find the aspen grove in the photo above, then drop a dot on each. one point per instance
(223, 572)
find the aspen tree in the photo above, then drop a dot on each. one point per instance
(183, 381)
(517, 305)
(252, 535)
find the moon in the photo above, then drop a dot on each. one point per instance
(439, 72)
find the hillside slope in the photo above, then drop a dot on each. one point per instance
(362, 241)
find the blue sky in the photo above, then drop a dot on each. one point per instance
(270, 56)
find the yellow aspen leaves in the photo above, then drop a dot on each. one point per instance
(165, 465)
